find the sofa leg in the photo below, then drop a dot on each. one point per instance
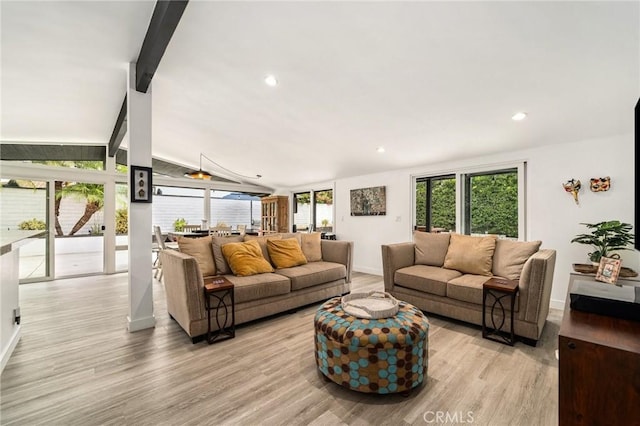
(197, 339)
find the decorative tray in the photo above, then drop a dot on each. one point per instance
(372, 305)
(584, 268)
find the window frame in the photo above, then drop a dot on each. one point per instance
(314, 215)
(461, 182)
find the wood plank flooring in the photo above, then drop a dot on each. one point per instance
(77, 364)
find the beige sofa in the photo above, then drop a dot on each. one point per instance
(256, 296)
(444, 273)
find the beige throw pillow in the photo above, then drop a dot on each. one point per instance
(430, 249)
(311, 246)
(200, 249)
(470, 255)
(262, 241)
(221, 263)
(510, 257)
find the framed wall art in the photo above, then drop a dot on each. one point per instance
(140, 184)
(369, 201)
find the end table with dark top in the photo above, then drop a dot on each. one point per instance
(220, 291)
(498, 289)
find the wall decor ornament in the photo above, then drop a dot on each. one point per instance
(573, 186)
(140, 184)
(369, 201)
(600, 184)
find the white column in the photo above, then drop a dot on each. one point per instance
(207, 207)
(140, 227)
(110, 219)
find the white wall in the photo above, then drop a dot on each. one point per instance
(552, 215)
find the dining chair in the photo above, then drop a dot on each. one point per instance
(189, 228)
(160, 245)
(242, 229)
(220, 231)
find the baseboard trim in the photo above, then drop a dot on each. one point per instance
(372, 271)
(13, 342)
(557, 304)
(140, 323)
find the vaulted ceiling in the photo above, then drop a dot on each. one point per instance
(428, 81)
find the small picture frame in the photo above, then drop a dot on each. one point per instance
(608, 270)
(140, 184)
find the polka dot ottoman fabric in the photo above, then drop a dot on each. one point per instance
(385, 355)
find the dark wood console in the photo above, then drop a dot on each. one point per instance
(599, 368)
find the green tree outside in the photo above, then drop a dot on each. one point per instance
(494, 204)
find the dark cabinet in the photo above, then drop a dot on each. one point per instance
(599, 368)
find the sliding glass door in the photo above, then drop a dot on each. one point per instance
(24, 206)
(79, 228)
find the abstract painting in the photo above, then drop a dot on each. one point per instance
(369, 201)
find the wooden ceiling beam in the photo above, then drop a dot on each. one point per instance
(164, 21)
(119, 130)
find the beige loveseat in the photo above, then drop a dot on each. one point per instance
(444, 273)
(327, 274)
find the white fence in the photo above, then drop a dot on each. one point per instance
(20, 204)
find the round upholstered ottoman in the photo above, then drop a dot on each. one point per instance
(385, 355)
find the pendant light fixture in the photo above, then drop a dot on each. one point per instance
(204, 175)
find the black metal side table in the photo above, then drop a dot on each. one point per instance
(498, 289)
(220, 291)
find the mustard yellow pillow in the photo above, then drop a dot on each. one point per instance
(200, 249)
(286, 253)
(262, 241)
(311, 246)
(246, 258)
(470, 255)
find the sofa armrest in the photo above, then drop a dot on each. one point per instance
(339, 252)
(394, 257)
(183, 285)
(535, 286)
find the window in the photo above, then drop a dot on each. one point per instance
(491, 203)
(491, 200)
(323, 210)
(301, 211)
(436, 203)
(174, 205)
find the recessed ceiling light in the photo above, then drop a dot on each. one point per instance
(380, 149)
(271, 81)
(519, 116)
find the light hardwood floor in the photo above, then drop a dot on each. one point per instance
(76, 364)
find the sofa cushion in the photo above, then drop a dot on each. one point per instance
(468, 288)
(510, 257)
(429, 279)
(256, 287)
(246, 258)
(201, 250)
(430, 248)
(221, 263)
(311, 246)
(262, 241)
(285, 253)
(313, 273)
(470, 255)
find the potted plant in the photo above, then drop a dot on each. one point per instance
(606, 238)
(178, 224)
